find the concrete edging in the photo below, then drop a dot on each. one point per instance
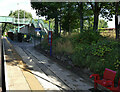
(6, 80)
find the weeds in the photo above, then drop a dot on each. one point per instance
(89, 49)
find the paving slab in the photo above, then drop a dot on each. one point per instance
(17, 76)
(16, 80)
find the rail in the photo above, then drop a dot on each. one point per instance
(6, 19)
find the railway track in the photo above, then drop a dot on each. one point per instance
(62, 79)
(49, 73)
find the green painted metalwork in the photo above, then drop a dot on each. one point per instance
(44, 26)
(7, 19)
(37, 24)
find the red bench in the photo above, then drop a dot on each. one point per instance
(115, 89)
(107, 81)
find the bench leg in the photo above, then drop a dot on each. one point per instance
(95, 85)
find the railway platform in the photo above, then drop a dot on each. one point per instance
(27, 69)
(16, 77)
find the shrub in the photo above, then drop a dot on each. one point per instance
(89, 37)
(101, 48)
(44, 43)
(80, 53)
(97, 54)
(89, 49)
(62, 46)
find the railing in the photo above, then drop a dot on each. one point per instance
(22, 21)
(4, 19)
(14, 20)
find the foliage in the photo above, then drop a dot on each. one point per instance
(21, 14)
(59, 46)
(98, 55)
(50, 10)
(45, 43)
(69, 17)
(15, 15)
(101, 48)
(80, 53)
(102, 24)
(89, 49)
(101, 8)
(75, 15)
(88, 37)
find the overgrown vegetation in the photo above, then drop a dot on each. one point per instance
(88, 49)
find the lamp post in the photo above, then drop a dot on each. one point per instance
(24, 16)
(18, 16)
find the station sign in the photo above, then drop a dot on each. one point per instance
(37, 29)
(50, 37)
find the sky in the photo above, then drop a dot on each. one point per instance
(111, 24)
(11, 5)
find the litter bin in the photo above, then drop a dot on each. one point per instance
(11, 35)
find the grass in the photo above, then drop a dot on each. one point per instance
(108, 33)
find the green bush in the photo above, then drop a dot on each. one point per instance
(96, 53)
(44, 43)
(101, 48)
(89, 37)
(88, 49)
(59, 46)
(80, 53)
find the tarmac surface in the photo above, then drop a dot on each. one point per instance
(27, 69)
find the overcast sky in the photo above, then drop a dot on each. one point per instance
(11, 5)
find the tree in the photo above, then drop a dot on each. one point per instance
(50, 10)
(88, 23)
(21, 14)
(116, 19)
(80, 9)
(114, 10)
(101, 8)
(15, 15)
(69, 17)
(85, 14)
(74, 15)
(96, 7)
(102, 24)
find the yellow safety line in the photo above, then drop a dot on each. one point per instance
(30, 78)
